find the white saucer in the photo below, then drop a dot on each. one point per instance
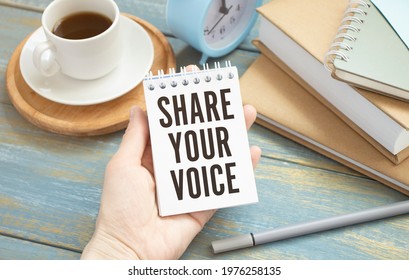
(136, 61)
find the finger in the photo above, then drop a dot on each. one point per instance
(202, 217)
(191, 68)
(255, 153)
(250, 115)
(136, 135)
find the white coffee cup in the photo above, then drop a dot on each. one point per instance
(83, 59)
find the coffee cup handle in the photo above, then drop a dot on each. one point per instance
(46, 65)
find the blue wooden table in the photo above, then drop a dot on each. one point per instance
(50, 185)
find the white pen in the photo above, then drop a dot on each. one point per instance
(253, 239)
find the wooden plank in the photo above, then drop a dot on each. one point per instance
(291, 194)
(16, 249)
(50, 185)
(49, 176)
(14, 27)
(51, 195)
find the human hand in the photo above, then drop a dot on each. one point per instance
(128, 224)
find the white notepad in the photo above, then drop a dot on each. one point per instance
(199, 141)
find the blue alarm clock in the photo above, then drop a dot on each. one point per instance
(214, 27)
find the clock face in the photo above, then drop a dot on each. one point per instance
(226, 20)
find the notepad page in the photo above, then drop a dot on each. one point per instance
(199, 141)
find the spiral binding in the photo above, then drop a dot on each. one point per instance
(350, 25)
(187, 76)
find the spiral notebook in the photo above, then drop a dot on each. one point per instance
(368, 53)
(200, 149)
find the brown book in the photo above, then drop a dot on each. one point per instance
(287, 108)
(300, 35)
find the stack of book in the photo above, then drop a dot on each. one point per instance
(358, 112)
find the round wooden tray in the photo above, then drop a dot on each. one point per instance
(83, 120)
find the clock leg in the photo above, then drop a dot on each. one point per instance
(203, 59)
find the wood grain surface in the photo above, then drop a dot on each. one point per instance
(50, 184)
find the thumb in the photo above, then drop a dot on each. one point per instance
(136, 135)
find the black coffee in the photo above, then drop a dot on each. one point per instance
(81, 25)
